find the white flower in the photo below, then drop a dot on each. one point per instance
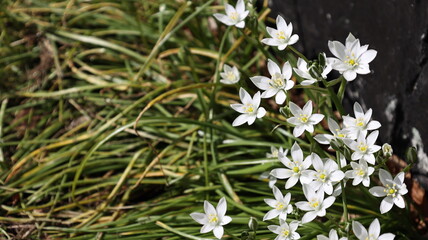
(281, 37)
(278, 84)
(296, 169)
(285, 231)
(364, 148)
(387, 150)
(316, 204)
(351, 58)
(214, 218)
(274, 152)
(250, 108)
(303, 71)
(360, 173)
(230, 75)
(332, 236)
(303, 119)
(374, 231)
(281, 205)
(361, 122)
(272, 179)
(392, 190)
(234, 16)
(325, 175)
(338, 133)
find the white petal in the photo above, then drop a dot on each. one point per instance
(241, 119)
(387, 236)
(359, 230)
(309, 216)
(226, 220)
(261, 112)
(244, 96)
(337, 176)
(207, 228)
(328, 202)
(372, 137)
(374, 228)
(368, 56)
(386, 205)
(295, 110)
(377, 191)
(251, 119)
(221, 207)
(373, 125)
(240, 6)
(209, 208)
(224, 19)
(307, 109)
(199, 217)
(349, 75)
(293, 39)
(399, 201)
(324, 138)
(218, 232)
(281, 173)
(316, 118)
(261, 82)
(385, 177)
(287, 70)
(296, 153)
(291, 182)
(280, 23)
(271, 214)
(240, 24)
(302, 205)
(273, 67)
(280, 97)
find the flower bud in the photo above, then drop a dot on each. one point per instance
(387, 150)
(285, 111)
(411, 155)
(253, 224)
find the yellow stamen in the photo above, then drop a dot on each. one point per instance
(279, 206)
(303, 118)
(296, 169)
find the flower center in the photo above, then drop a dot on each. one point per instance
(314, 204)
(361, 172)
(391, 190)
(279, 206)
(363, 147)
(277, 81)
(296, 169)
(212, 218)
(285, 232)
(303, 118)
(234, 16)
(281, 35)
(230, 76)
(370, 237)
(351, 61)
(249, 108)
(359, 122)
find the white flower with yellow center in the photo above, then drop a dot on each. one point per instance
(214, 218)
(281, 205)
(316, 204)
(303, 71)
(337, 133)
(285, 231)
(351, 58)
(250, 108)
(364, 148)
(325, 175)
(392, 190)
(373, 232)
(360, 173)
(303, 119)
(332, 236)
(281, 37)
(234, 15)
(278, 84)
(361, 123)
(296, 170)
(230, 75)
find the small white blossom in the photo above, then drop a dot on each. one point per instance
(278, 84)
(274, 152)
(285, 231)
(364, 148)
(387, 150)
(281, 205)
(296, 170)
(332, 236)
(303, 71)
(230, 75)
(361, 123)
(214, 218)
(316, 204)
(250, 108)
(325, 175)
(337, 132)
(281, 37)
(303, 119)
(351, 58)
(372, 234)
(360, 173)
(234, 15)
(392, 190)
(272, 179)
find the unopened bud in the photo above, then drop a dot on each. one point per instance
(387, 150)
(253, 224)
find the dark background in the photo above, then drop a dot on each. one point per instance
(397, 88)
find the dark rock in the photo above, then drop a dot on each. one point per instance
(397, 88)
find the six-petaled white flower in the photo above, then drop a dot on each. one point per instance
(364, 148)
(361, 123)
(278, 84)
(392, 190)
(250, 108)
(316, 204)
(230, 75)
(296, 169)
(360, 173)
(234, 15)
(281, 37)
(331, 236)
(214, 218)
(285, 231)
(303, 119)
(325, 175)
(337, 132)
(372, 234)
(351, 58)
(281, 205)
(304, 72)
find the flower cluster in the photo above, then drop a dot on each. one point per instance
(320, 174)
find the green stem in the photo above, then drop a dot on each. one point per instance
(344, 202)
(230, 234)
(334, 97)
(298, 53)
